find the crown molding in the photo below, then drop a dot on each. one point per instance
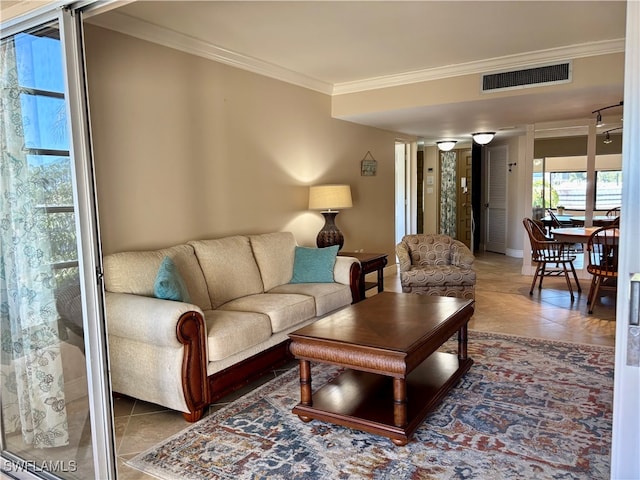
(169, 38)
(491, 65)
(163, 36)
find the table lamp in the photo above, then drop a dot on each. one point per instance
(330, 199)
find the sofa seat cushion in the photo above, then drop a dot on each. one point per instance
(438, 275)
(284, 310)
(230, 332)
(327, 296)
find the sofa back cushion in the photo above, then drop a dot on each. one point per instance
(229, 268)
(429, 249)
(274, 253)
(135, 272)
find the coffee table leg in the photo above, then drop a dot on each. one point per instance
(305, 387)
(462, 342)
(399, 406)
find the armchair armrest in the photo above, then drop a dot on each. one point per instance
(461, 256)
(404, 258)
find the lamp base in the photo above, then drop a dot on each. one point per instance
(330, 234)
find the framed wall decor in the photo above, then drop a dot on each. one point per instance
(368, 165)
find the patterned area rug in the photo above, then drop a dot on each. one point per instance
(527, 409)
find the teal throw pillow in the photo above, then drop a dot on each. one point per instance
(169, 284)
(314, 265)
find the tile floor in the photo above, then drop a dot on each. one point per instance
(503, 305)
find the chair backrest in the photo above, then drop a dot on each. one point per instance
(542, 247)
(536, 235)
(555, 223)
(535, 230)
(429, 249)
(602, 248)
(614, 212)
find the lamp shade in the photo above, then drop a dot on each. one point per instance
(446, 145)
(482, 138)
(330, 197)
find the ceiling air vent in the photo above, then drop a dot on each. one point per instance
(528, 77)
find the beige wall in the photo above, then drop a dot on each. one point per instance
(188, 148)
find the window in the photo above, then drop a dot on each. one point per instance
(46, 142)
(608, 189)
(563, 181)
(571, 188)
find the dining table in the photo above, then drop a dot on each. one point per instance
(578, 220)
(597, 220)
(573, 234)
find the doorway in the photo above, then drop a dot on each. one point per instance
(402, 190)
(456, 181)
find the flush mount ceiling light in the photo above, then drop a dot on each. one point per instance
(482, 138)
(446, 145)
(599, 122)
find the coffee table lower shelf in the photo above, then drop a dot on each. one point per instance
(364, 401)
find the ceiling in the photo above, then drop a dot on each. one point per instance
(341, 47)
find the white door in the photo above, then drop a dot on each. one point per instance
(496, 199)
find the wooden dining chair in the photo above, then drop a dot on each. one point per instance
(602, 249)
(555, 221)
(552, 258)
(615, 213)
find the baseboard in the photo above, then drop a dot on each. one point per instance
(510, 252)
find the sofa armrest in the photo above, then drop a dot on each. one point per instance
(161, 326)
(404, 258)
(145, 319)
(347, 271)
(461, 256)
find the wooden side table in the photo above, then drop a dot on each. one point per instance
(370, 262)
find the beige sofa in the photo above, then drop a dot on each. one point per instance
(242, 308)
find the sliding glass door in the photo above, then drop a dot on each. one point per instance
(56, 417)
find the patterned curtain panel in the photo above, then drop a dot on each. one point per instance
(448, 192)
(33, 399)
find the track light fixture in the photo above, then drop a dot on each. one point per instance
(599, 122)
(482, 138)
(446, 145)
(607, 137)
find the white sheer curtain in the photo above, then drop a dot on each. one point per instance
(32, 380)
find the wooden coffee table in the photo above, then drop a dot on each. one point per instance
(395, 376)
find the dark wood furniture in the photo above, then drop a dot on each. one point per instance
(395, 374)
(370, 262)
(602, 247)
(552, 257)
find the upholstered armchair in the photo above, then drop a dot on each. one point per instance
(435, 264)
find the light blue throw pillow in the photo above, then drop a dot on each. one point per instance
(169, 284)
(314, 265)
